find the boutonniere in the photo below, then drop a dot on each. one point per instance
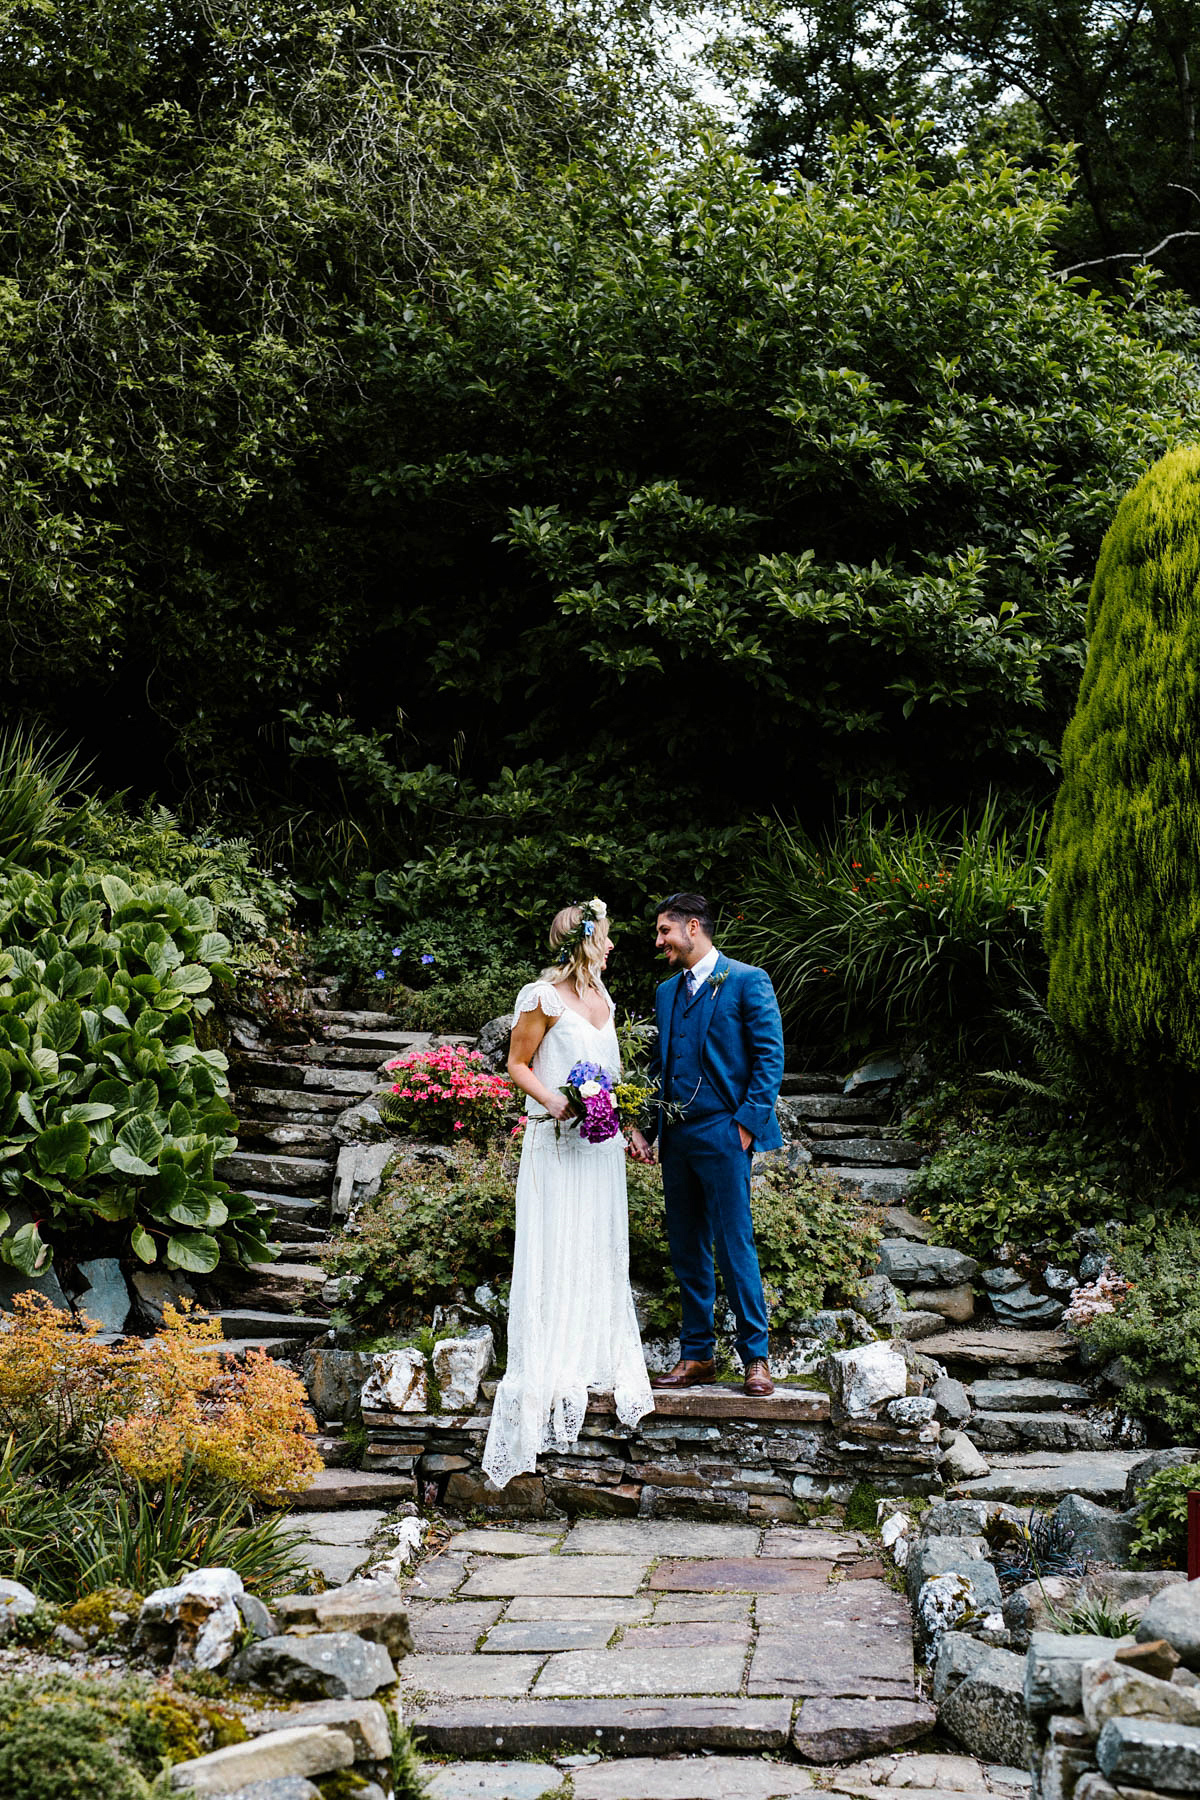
(716, 981)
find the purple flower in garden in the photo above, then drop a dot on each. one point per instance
(396, 949)
(379, 975)
(428, 957)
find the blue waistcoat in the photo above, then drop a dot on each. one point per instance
(686, 1083)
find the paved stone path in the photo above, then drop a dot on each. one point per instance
(662, 1638)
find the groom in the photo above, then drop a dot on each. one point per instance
(719, 1060)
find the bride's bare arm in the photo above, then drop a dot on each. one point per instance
(527, 1034)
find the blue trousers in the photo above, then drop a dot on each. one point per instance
(706, 1188)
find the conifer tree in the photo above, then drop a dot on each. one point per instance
(1123, 922)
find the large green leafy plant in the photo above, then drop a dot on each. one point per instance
(109, 1108)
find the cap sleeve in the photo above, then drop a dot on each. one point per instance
(541, 994)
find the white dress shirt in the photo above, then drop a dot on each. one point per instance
(700, 971)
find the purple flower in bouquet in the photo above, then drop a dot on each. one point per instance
(585, 1072)
(599, 1122)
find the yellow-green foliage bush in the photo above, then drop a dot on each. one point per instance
(1123, 918)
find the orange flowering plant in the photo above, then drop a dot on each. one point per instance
(154, 1407)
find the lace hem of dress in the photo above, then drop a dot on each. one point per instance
(505, 1458)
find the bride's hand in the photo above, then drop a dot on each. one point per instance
(558, 1106)
(639, 1149)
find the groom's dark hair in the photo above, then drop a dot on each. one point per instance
(688, 906)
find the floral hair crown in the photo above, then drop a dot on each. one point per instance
(593, 911)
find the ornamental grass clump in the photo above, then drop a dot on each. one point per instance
(446, 1093)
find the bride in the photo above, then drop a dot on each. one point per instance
(571, 1323)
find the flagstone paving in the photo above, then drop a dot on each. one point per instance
(654, 1638)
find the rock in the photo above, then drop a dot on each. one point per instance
(946, 1601)
(363, 1123)
(960, 1655)
(934, 1556)
(305, 1750)
(966, 1518)
(1153, 1753)
(286, 1787)
(334, 1379)
(1054, 1668)
(863, 1377)
(195, 1624)
(359, 1175)
(373, 1608)
(915, 1324)
(1021, 1306)
(156, 1290)
(1174, 1614)
(16, 1602)
(332, 1665)
(1062, 1764)
(397, 1382)
(1113, 1690)
(1100, 1534)
(1141, 1471)
(829, 1731)
(105, 1300)
(493, 1043)
(910, 1264)
(884, 1067)
(459, 1365)
(963, 1461)
(1039, 1606)
(985, 1710)
(1155, 1658)
(1129, 1590)
(954, 1303)
(1058, 1280)
(913, 1410)
(1092, 1786)
(255, 1617)
(364, 1722)
(879, 1301)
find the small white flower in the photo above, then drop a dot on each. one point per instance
(598, 907)
(588, 1089)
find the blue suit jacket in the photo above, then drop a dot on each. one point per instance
(742, 1050)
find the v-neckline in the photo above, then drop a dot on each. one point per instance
(580, 1014)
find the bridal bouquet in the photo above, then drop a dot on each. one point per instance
(589, 1090)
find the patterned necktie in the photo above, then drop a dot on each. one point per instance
(693, 986)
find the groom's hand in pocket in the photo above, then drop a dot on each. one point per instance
(747, 1140)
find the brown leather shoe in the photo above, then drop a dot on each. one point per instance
(758, 1378)
(686, 1373)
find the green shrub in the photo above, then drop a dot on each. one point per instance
(34, 776)
(109, 1109)
(886, 928)
(465, 1005)
(63, 1738)
(985, 1186)
(1124, 912)
(1156, 1328)
(432, 1232)
(1160, 1541)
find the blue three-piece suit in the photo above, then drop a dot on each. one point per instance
(719, 1057)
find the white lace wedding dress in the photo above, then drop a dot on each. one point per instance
(571, 1323)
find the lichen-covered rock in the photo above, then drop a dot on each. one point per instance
(1112, 1690)
(397, 1382)
(196, 1623)
(304, 1750)
(459, 1365)
(967, 1518)
(1054, 1670)
(911, 1411)
(862, 1378)
(908, 1264)
(374, 1608)
(16, 1602)
(946, 1601)
(936, 1556)
(334, 1379)
(985, 1710)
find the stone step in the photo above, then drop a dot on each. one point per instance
(635, 1727)
(834, 1130)
(314, 1078)
(797, 1081)
(846, 1109)
(339, 1019)
(291, 1140)
(300, 1104)
(970, 1351)
(1036, 1431)
(280, 1346)
(876, 1187)
(338, 1489)
(334, 1056)
(298, 1219)
(268, 1172)
(1027, 1396)
(879, 1153)
(1044, 1478)
(246, 1321)
(284, 1287)
(309, 1251)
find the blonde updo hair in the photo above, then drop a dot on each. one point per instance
(585, 959)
